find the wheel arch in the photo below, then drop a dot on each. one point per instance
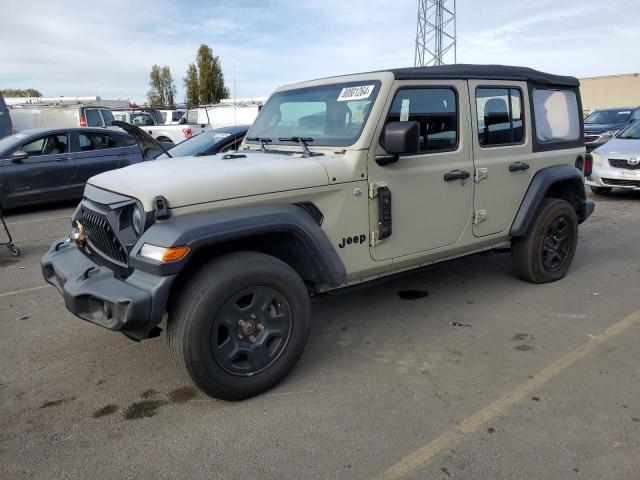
(285, 231)
(560, 181)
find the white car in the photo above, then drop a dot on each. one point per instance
(616, 164)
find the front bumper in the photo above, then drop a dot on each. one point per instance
(134, 305)
(607, 176)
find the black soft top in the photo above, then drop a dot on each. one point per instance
(484, 72)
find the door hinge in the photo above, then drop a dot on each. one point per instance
(479, 216)
(374, 239)
(480, 174)
(374, 186)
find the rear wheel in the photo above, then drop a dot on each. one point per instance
(601, 190)
(545, 253)
(240, 325)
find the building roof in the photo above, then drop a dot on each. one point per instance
(485, 72)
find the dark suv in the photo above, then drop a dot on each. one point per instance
(602, 125)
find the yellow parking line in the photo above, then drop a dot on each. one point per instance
(37, 220)
(26, 290)
(473, 423)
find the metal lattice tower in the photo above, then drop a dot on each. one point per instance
(436, 33)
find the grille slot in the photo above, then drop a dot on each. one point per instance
(622, 163)
(621, 183)
(102, 237)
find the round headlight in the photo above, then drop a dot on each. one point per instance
(138, 220)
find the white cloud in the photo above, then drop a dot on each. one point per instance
(74, 47)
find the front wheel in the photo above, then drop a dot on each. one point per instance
(240, 324)
(545, 253)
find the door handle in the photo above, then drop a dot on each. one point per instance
(518, 166)
(456, 175)
(66, 159)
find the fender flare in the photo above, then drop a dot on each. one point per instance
(541, 183)
(204, 229)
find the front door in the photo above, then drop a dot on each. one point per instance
(501, 151)
(44, 175)
(430, 203)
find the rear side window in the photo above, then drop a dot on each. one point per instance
(176, 116)
(107, 116)
(49, 145)
(96, 141)
(93, 117)
(499, 113)
(435, 110)
(192, 117)
(142, 120)
(556, 114)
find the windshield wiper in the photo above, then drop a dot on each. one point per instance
(262, 141)
(303, 143)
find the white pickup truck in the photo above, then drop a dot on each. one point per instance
(176, 133)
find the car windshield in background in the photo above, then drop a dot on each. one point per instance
(198, 144)
(608, 116)
(332, 115)
(631, 133)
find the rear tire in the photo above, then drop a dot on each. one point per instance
(239, 325)
(601, 190)
(545, 253)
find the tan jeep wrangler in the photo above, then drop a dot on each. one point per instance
(339, 181)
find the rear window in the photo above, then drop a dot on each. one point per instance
(556, 115)
(93, 117)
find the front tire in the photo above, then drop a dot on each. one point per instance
(239, 325)
(601, 190)
(545, 253)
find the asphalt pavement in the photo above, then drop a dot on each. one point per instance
(457, 371)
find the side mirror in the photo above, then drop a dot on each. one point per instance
(399, 138)
(19, 156)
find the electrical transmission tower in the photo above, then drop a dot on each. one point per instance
(436, 32)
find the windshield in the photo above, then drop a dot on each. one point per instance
(196, 145)
(608, 116)
(631, 133)
(331, 115)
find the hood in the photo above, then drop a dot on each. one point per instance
(602, 127)
(624, 146)
(192, 180)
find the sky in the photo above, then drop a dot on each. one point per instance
(107, 48)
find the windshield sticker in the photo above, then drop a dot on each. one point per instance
(404, 109)
(355, 93)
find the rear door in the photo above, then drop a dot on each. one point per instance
(501, 151)
(94, 153)
(46, 174)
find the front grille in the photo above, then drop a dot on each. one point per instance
(101, 236)
(616, 182)
(622, 163)
(591, 138)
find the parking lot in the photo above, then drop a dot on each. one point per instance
(457, 371)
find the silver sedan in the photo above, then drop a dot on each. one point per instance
(616, 164)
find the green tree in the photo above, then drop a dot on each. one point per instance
(192, 96)
(16, 92)
(211, 88)
(162, 89)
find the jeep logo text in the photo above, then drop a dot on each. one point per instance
(351, 240)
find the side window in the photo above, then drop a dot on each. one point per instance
(435, 109)
(142, 120)
(176, 116)
(120, 116)
(93, 117)
(107, 116)
(499, 113)
(96, 141)
(192, 117)
(556, 114)
(129, 141)
(49, 145)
